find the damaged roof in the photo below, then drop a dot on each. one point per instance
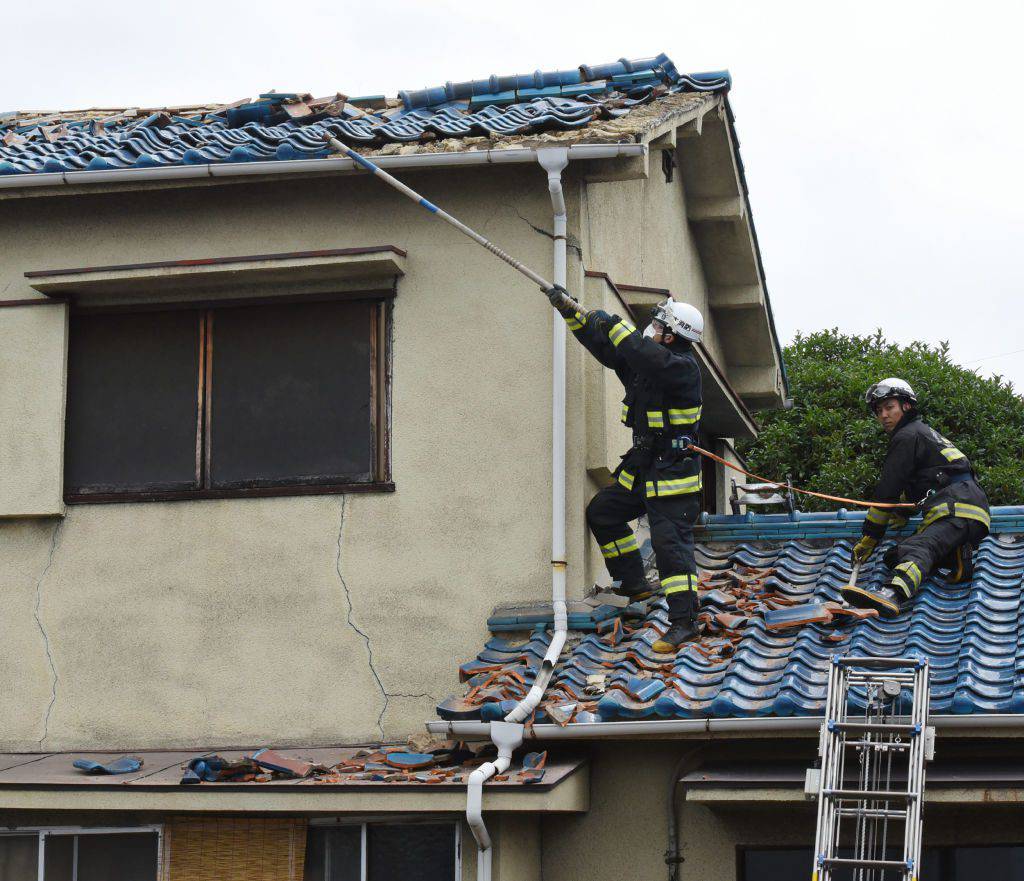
(606, 103)
(773, 619)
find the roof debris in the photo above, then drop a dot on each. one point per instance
(607, 103)
(772, 617)
(428, 762)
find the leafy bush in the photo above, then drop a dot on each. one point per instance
(829, 442)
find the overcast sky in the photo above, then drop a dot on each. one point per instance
(882, 141)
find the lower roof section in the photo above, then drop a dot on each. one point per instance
(49, 781)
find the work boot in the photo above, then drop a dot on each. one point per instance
(682, 620)
(635, 590)
(961, 565)
(679, 633)
(888, 600)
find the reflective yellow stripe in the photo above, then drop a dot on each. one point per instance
(957, 509)
(625, 413)
(655, 419)
(673, 487)
(972, 512)
(627, 545)
(677, 583)
(574, 323)
(621, 330)
(619, 546)
(683, 417)
(626, 479)
(912, 571)
(878, 516)
(903, 582)
(609, 550)
(952, 454)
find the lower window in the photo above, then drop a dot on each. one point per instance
(937, 864)
(381, 851)
(60, 854)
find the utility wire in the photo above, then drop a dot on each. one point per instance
(990, 357)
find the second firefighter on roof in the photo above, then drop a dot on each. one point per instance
(924, 467)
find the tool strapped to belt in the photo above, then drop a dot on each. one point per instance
(806, 492)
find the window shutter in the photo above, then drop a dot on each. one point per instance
(33, 347)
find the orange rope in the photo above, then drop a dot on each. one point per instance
(805, 492)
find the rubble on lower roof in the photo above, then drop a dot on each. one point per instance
(428, 763)
(750, 660)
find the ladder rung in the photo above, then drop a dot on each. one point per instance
(877, 663)
(884, 745)
(872, 813)
(867, 864)
(867, 795)
(873, 727)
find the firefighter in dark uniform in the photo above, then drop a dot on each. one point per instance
(924, 467)
(659, 476)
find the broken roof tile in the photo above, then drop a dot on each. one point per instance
(285, 126)
(973, 635)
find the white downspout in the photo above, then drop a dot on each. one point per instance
(508, 735)
(553, 160)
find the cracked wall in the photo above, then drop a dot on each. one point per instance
(302, 620)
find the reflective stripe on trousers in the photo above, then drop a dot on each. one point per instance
(677, 583)
(619, 546)
(957, 509)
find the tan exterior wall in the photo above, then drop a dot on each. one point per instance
(33, 350)
(625, 832)
(249, 621)
(318, 619)
(638, 233)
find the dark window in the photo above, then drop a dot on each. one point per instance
(19, 857)
(227, 400)
(129, 856)
(411, 851)
(937, 864)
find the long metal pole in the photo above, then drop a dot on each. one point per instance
(410, 193)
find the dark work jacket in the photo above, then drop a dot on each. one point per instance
(662, 404)
(918, 468)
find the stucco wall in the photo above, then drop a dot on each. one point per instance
(625, 832)
(638, 233)
(33, 349)
(250, 621)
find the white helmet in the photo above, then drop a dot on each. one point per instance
(892, 387)
(682, 319)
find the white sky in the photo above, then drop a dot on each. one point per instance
(882, 140)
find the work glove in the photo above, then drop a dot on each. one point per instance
(897, 521)
(603, 321)
(561, 300)
(862, 550)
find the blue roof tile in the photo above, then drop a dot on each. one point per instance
(288, 126)
(972, 635)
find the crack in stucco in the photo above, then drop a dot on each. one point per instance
(352, 623)
(571, 241)
(54, 677)
(387, 695)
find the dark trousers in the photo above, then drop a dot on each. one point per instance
(915, 558)
(671, 519)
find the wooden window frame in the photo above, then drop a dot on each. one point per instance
(382, 303)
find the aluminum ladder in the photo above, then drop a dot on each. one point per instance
(865, 757)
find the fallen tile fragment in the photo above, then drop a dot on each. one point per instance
(411, 761)
(122, 765)
(271, 760)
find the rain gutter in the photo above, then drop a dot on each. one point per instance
(219, 170)
(643, 728)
